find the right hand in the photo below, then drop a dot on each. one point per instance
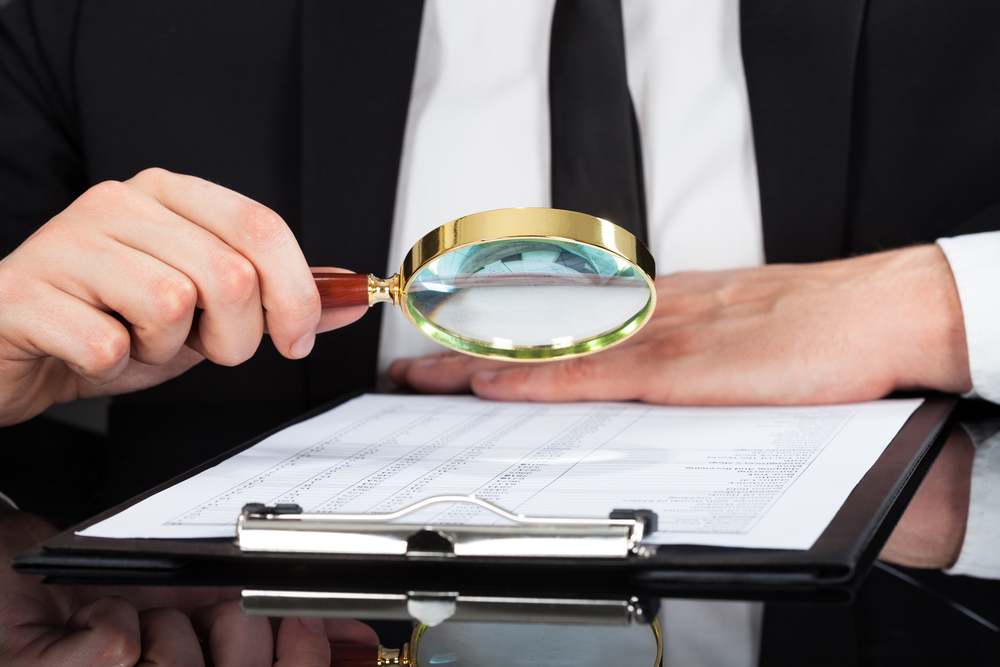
(801, 334)
(931, 532)
(192, 271)
(85, 626)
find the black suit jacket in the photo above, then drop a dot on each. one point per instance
(876, 124)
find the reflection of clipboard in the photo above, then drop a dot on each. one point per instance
(423, 575)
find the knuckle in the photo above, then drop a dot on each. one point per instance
(260, 226)
(105, 352)
(152, 177)
(173, 300)
(235, 278)
(232, 357)
(227, 349)
(56, 233)
(301, 307)
(682, 342)
(108, 194)
(729, 294)
(116, 645)
(577, 370)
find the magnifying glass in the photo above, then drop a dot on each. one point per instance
(524, 284)
(454, 644)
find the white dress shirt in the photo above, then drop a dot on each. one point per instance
(477, 138)
(980, 555)
(975, 263)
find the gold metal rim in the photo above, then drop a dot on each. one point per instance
(658, 633)
(528, 223)
(507, 223)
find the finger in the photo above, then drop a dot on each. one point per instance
(234, 639)
(53, 323)
(137, 375)
(107, 633)
(157, 300)
(184, 598)
(207, 273)
(613, 375)
(444, 373)
(302, 642)
(168, 639)
(287, 290)
(349, 631)
(340, 317)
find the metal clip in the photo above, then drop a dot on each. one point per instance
(285, 528)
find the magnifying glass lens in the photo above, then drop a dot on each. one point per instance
(547, 294)
(524, 284)
(536, 645)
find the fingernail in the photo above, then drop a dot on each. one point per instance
(303, 346)
(426, 362)
(313, 624)
(486, 376)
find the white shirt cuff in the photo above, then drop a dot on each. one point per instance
(980, 555)
(975, 263)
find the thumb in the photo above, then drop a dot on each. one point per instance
(138, 375)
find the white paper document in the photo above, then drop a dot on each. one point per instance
(768, 477)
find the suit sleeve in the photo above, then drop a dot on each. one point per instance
(41, 165)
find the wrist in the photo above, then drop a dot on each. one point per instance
(923, 325)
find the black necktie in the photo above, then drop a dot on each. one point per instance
(596, 160)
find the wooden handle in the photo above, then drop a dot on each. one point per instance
(342, 290)
(353, 655)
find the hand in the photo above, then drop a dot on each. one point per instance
(90, 627)
(841, 331)
(136, 282)
(931, 531)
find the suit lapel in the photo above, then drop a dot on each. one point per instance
(799, 59)
(358, 58)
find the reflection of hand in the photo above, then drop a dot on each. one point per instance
(189, 267)
(90, 627)
(931, 531)
(848, 330)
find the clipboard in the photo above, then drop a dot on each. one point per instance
(425, 578)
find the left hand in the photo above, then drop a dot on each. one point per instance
(832, 332)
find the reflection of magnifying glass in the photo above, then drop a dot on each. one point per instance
(528, 644)
(524, 284)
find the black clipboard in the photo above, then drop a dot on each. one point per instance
(829, 572)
